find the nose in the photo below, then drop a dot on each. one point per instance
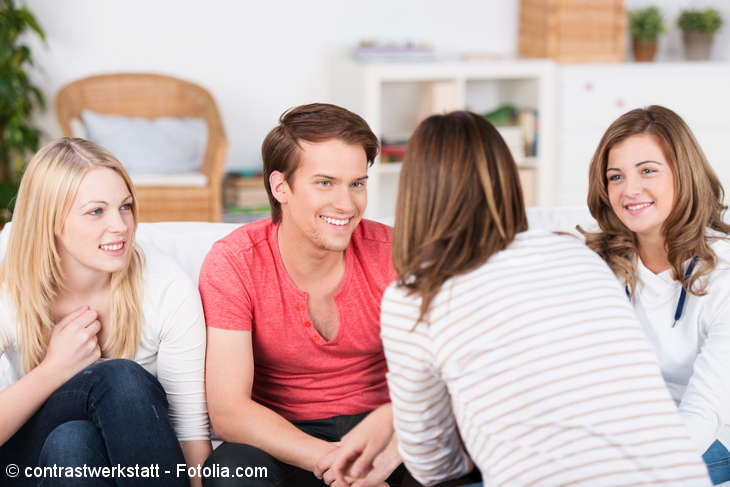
(633, 186)
(344, 200)
(116, 223)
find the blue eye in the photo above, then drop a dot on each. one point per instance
(358, 184)
(648, 170)
(96, 211)
(126, 207)
(324, 182)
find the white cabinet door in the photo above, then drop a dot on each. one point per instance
(591, 97)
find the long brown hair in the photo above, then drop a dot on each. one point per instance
(459, 202)
(698, 201)
(31, 271)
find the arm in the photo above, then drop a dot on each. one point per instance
(181, 368)
(195, 453)
(238, 418)
(73, 347)
(705, 405)
(425, 426)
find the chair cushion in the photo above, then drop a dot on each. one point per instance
(187, 179)
(164, 145)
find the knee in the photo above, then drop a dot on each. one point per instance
(129, 378)
(73, 443)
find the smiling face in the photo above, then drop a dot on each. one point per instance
(640, 184)
(98, 230)
(326, 196)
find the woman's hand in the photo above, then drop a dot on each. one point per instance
(74, 344)
(368, 454)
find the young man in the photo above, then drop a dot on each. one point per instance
(292, 304)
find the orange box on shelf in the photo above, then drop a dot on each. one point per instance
(573, 30)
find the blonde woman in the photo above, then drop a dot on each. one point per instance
(513, 348)
(660, 210)
(106, 347)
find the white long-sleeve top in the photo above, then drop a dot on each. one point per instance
(172, 344)
(536, 365)
(694, 356)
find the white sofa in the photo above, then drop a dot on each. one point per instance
(189, 242)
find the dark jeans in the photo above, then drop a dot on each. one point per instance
(717, 459)
(113, 413)
(280, 474)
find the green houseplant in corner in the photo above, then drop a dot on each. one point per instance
(645, 24)
(18, 98)
(698, 28)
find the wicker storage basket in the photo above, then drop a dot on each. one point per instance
(573, 30)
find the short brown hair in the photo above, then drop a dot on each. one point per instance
(316, 122)
(459, 202)
(698, 199)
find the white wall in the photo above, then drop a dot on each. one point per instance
(260, 58)
(256, 58)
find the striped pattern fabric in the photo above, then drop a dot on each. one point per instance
(536, 364)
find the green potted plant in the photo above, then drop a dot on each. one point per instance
(698, 29)
(18, 98)
(645, 24)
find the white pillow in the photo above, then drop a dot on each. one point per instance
(164, 145)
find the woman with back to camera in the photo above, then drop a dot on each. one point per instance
(74, 289)
(514, 348)
(659, 206)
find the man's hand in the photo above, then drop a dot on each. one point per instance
(367, 455)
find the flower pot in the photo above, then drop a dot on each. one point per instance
(644, 51)
(697, 45)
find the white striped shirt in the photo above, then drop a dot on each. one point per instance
(538, 359)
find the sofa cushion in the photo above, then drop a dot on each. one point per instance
(164, 145)
(195, 179)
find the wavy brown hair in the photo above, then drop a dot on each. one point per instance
(459, 202)
(698, 201)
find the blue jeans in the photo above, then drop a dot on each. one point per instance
(717, 459)
(113, 413)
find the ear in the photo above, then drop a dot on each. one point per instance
(279, 187)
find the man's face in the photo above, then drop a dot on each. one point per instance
(326, 195)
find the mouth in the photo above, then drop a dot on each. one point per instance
(114, 248)
(636, 208)
(336, 222)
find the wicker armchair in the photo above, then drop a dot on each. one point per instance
(151, 96)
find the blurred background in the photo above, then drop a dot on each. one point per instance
(258, 59)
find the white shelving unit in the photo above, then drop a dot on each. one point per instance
(394, 97)
(591, 96)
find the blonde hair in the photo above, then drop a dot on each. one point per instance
(698, 201)
(31, 272)
(459, 202)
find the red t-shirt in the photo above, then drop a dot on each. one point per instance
(297, 373)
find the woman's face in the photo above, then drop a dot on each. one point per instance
(640, 183)
(98, 230)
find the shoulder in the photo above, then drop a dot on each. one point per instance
(163, 278)
(245, 237)
(372, 239)
(720, 244)
(399, 309)
(546, 246)
(239, 247)
(371, 245)
(372, 231)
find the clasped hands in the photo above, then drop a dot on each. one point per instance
(364, 457)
